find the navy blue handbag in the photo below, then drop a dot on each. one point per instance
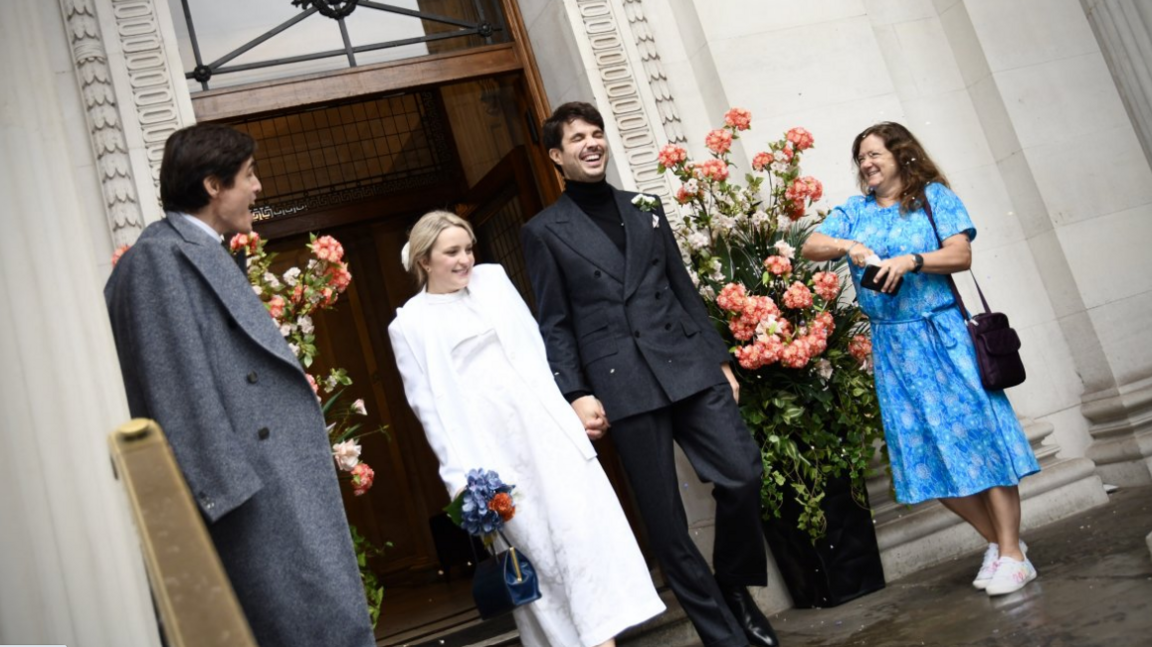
(503, 582)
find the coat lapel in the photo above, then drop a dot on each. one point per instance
(639, 233)
(577, 230)
(232, 288)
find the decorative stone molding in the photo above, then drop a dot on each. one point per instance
(154, 96)
(90, 60)
(1124, 30)
(654, 70)
(628, 109)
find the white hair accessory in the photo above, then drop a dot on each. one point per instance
(404, 260)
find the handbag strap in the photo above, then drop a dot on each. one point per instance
(952, 281)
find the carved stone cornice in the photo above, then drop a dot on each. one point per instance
(623, 82)
(90, 61)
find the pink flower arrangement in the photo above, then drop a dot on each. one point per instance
(738, 118)
(275, 306)
(249, 242)
(362, 478)
(860, 347)
(312, 383)
(719, 141)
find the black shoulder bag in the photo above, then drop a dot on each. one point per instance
(997, 344)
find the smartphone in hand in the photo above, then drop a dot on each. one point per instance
(869, 279)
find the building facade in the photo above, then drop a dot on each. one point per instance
(1039, 112)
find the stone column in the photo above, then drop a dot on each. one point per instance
(71, 571)
(1124, 30)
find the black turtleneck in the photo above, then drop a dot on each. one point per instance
(599, 201)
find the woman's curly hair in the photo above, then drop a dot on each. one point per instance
(917, 170)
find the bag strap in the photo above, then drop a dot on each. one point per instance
(952, 281)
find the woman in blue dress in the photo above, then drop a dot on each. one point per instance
(948, 438)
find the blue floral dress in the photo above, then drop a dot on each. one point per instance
(947, 436)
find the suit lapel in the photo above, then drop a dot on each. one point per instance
(577, 230)
(639, 233)
(232, 288)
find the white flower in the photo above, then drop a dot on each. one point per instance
(695, 277)
(717, 271)
(271, 280)
(724, 223)
(824, 369)
(359, 408)
(698, 240)
(708, 293)
(692, 186)
(305, 323)
(347, 455)
(783, 223)
(291, 276)
(286, 329)
(779, 167)
(645, 202)
(312, 263)
(330, 383)
(759, 218)
(768, 327)
(257, 289)
(295, 348)
(785, 250)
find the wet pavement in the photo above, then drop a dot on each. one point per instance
(1094, 590)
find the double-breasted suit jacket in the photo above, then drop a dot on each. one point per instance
(630, 328)
(201, 355)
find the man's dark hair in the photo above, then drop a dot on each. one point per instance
(566, 114)
(198, 152)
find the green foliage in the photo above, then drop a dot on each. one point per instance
(373, 590)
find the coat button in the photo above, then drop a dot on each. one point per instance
(263, 433)
(232, 323)
(655, 262)
(667, 326)
(658, 295)
(252, 377)
(596, 274)
(637, 334)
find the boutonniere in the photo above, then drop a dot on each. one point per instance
(647, 203)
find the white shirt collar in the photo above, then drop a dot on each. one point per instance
(205, 227)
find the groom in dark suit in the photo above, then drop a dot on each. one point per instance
(630, 342)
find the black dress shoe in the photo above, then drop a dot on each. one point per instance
(756, 627)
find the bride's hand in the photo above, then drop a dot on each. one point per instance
(591, 413)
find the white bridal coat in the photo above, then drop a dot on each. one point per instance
(476, 374)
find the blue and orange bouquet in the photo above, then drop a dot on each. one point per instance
(484, 505)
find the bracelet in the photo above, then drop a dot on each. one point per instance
(850, 247)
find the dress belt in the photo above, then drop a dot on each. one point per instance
(931, 318)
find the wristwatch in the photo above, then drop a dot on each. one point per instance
(919, 263)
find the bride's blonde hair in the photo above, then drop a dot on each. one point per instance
(423, 237)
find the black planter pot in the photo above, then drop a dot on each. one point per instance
(841, 566)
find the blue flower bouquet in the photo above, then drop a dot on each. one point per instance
(484, 505)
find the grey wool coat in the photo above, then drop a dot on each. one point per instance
(200, 354)
(630, 328)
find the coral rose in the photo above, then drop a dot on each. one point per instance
(798, 296)
(778, 265)
(738, 118)
(276, 306)
(327, 248)
(502, 505)
(671, 155)
(826, 284)
(860, 347)
(118, 253)
(339, 277)
(800, 138)
(719, 141)
(362, 478)
(732, 297)
(713, 169)
(761, 161)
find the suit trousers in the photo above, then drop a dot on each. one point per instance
(708, 428)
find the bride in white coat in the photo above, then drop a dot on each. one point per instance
(476, 374)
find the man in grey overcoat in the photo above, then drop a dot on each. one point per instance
(631, 346)
(200, 354)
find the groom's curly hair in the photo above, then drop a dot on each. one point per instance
(566, 114)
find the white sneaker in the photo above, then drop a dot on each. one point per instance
(1010, 576)
(988, 566)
